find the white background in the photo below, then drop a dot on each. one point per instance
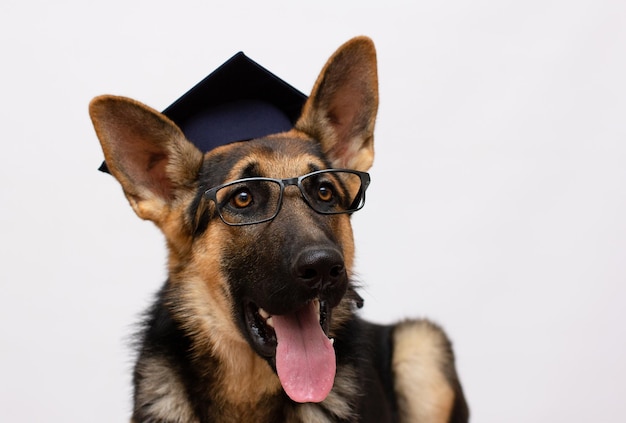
(497, 208)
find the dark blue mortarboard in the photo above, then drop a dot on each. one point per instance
(239, 101)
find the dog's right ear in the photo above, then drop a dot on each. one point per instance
(146, 152)
(341, 111)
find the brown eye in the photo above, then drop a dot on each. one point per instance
(325, 192)
(241, 199)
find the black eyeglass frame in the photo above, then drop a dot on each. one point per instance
(357, 203)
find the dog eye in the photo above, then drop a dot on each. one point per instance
(241, 199)
(325, 192)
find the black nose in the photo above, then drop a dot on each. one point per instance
(320, 268)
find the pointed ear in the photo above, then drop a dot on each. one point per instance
(146, 152)
(341, 110)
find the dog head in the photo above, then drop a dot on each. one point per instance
(258, 232)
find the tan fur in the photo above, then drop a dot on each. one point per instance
(308, 413)
(421, 354)
(163, 384)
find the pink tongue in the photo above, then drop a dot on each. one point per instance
(305, 358)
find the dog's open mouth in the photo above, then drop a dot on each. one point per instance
(304, 355)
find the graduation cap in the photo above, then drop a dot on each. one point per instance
(239, 101)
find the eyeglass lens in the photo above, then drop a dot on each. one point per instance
(256, 200)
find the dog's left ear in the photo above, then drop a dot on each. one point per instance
(341, 111)
(146, 152)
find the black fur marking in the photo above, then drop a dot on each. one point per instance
(368, 347)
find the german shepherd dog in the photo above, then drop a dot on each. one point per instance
(257, 320)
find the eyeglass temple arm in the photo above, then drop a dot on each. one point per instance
(357, 199)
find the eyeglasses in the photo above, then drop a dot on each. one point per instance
(256, 200)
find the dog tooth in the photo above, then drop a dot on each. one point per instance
(264, 314)
(316, 303)
(332, 341)
(269, 322)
